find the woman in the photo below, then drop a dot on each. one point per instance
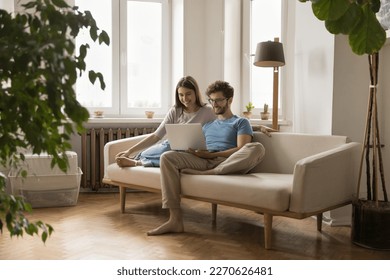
(188, 108)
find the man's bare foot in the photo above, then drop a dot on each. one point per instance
(174, 224)
(127, 162)
(168, 227)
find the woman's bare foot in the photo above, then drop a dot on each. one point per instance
(173, 225)
(127, 162)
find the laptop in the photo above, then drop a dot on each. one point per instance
(181, 137)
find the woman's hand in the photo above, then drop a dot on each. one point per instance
(122, 154)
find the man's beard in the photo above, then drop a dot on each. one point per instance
(220, 110)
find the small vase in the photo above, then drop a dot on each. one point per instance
(264, 116)
(247, 114)
(149, 114)
(98, 114)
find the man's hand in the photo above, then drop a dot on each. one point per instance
(201, 153)
(266, 130)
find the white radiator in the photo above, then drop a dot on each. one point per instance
(92, 145)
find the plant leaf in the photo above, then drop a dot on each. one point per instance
(375, 5)
(368, 36)
(330, 9)
(92, 76)
(104, 38)
(60, 3)
(345, 23)
(101, 80)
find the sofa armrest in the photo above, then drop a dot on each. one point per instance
(112, 148)
(326, 179)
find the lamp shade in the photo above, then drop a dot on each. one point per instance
(269, 54)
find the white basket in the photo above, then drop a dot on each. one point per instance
(45, 186)
(48, 190)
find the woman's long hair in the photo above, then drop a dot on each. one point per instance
(190, 83)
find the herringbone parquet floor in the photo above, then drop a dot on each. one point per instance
(95, 229)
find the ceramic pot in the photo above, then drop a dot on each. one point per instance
(149, 114)
(371, 224)
(264, 116)
(247, 114)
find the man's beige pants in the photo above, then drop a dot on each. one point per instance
(241, 162)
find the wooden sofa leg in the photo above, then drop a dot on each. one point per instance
(214, 213)
(319, 222)
(267, 231)
(122, 195)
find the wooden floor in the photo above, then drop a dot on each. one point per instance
(95, 229)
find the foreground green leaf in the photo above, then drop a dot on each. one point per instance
(39, 110)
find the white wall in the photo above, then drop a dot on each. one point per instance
(351, 84)
(7, 5)
(232, 50)
(194, 53)
(351, 89)
(177, 54)
(203, 40)
(313, 73)
(384, 94)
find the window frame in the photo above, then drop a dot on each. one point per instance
(118, 45)
(248, 57)
(165, 64)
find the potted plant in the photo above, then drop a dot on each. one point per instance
(38, 106)
(265, 114)
(357, 19)
(149, 114)
(248, 112)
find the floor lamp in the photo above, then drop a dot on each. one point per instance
(270, 54)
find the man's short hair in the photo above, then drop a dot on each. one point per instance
(222, 86)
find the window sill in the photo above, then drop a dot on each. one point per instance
(269, 122)
(124, 120)
(109, 120)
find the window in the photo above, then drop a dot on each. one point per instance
(265, 23)
(135, 65)
(145, 76)
(99, 57)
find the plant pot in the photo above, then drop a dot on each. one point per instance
(264, 116)
(247, 114)
(98, 114)
(149, 114)
(371, 224)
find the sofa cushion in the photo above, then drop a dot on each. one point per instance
(266, 190)
(138, 176)
(283, 149)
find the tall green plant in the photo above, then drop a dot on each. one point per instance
(357, 19)
(38, 106)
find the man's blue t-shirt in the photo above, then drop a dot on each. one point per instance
(221, 135)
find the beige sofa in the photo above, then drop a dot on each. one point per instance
(301, 176)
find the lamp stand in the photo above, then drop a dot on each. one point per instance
(270, 54)
(275, 103)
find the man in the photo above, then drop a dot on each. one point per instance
(229, 150)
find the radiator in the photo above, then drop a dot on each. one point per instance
(92, 146)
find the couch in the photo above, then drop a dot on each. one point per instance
(300, 176)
